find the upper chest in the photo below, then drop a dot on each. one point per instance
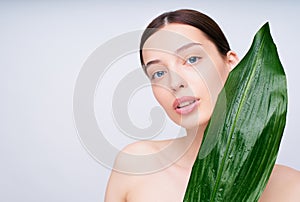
(164, 186)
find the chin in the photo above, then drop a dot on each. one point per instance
(189, 126)
(193, 121)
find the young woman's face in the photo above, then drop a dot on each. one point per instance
(186, 71)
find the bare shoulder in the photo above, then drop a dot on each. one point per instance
(123, 177)
(145, 147)
(283, 185)
(138, 156)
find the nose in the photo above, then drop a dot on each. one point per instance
(176, 82)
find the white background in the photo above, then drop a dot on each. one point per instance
(43, 45)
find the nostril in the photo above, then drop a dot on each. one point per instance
(176, 88)
(176, 82)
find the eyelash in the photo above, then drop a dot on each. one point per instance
(153, 76)
(155, 73)
(192, 57)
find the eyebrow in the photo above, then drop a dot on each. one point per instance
(186, 46)
(182, 48)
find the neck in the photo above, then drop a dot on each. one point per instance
(197, 136)
(193, 141)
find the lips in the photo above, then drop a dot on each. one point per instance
(185, 105)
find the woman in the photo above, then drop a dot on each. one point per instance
(187, 59)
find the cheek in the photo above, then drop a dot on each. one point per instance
(197, 85)
(210, 78)
(162, 95)
(165, 98)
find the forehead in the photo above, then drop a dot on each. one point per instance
(172, 36)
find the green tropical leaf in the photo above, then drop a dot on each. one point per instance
(242, 139)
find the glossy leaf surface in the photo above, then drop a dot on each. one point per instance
(241, 142)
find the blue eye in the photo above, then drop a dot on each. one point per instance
(192, 60)
(158, 74)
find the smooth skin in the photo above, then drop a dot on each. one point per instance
(175, 67)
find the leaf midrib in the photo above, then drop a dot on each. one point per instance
(235, 120)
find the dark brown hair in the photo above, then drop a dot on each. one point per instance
(188, 17)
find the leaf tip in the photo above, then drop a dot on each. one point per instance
(266, 27)
(262, 34)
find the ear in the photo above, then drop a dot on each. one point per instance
(232, 59)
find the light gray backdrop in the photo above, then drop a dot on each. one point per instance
(43, 45)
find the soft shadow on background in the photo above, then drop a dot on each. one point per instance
(43, 45)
